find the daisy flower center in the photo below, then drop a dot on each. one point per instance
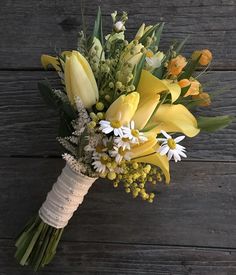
(121, 151)
(103, 160)
(171, 143)
(99, 148)
(135, 133)
(149, 54)
(125, 139)
(116, 124)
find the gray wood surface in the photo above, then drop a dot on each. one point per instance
(191, 227)
(35, 27)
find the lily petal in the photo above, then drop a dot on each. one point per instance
(174, 118)
(174, 89)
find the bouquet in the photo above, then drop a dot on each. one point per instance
(124, 109)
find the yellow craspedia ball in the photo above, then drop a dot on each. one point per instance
(111, 175)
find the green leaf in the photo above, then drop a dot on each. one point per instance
(148, 34)
(184, 90)
(158, 33)
(211, 124)
(179, 46)
(138, 70)
(97, 30)
(189, 68)
(47, 93)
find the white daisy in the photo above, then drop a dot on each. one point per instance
(108, 127)
(122, 142)
(171, 148)
(100, 162)
(119, 154)
(133, 134)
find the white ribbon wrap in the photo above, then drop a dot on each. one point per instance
(65, 197)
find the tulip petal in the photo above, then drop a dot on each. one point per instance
(174, 118)
(77, 82)
(82, 60)
(123, 108)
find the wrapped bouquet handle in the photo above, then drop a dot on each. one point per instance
(37, 244)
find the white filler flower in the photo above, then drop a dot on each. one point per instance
(171, 148)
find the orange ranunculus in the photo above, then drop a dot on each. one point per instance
(176, 65)
(193, 89)
(206, 56)
(204, 99)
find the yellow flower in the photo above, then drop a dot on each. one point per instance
(147, 153)
(149, 85)
(79, 80)
(174, 118)
(123, 108)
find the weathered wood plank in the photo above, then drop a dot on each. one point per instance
(197, 209)
(96, 258)
(35, 27)
(28, 127)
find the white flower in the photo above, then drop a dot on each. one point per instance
(122, 142)
(119, 154)
(154, 61)
(99, 166)
(171, 148)
(100, 161)
(109, 127)
(119, 26)
(133, 134)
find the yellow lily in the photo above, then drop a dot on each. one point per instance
(150, 85)
(174, 118)
(156, 159)
(123, 109)
(145, 109)
(79, 80)
(47, 60)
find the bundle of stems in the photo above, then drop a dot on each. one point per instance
(37, 243)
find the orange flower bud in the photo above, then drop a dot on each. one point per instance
(206, 57)
(184, 83)
(204, 99)
(176, 65)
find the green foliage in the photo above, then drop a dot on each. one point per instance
(61, 104)
(148, 33)
(138, 70)
(179, 46)
(97, 30)
(189, 68)
(211, 124)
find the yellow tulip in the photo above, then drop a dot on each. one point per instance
(174, 118)
(79, 80)
(123, 108)
(145, 109)
(150, 85)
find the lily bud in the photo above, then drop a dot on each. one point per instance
(80, 81)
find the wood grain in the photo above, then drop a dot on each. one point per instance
(197, 209)
(34, 27)
(29, 128)
(106, 258)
